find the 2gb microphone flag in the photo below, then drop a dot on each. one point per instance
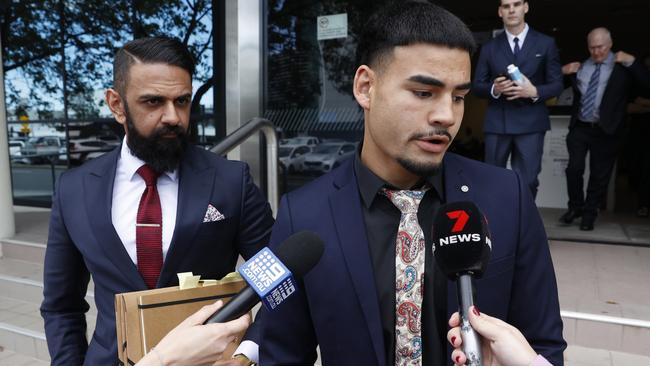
(269, 277)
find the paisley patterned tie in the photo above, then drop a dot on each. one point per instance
(409, 277)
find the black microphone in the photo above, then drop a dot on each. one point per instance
(462, 247)
(269, 275)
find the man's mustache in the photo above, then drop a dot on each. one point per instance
(435, 132)
(167, 129)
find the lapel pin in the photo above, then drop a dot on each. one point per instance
(464, 188)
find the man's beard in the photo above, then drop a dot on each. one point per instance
(160, 153)
(424, 169)
(418, 168)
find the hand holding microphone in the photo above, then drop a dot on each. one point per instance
(503, 344)
(462, 246)
(191, 343)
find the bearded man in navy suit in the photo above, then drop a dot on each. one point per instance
(517, 118)
(360, 304)
(145, 211)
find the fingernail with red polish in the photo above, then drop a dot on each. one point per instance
(476, 311)
(453, 340)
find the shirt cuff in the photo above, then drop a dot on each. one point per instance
(534, 99)
(540, 361)
(495, 96)
(249, 349)
(627, 64)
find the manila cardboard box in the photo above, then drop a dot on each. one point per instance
(143, 318)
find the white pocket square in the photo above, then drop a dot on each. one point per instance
(538, 55)
(212, 214)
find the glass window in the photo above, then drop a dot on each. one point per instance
(58, 59)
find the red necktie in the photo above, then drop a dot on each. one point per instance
(148, 229)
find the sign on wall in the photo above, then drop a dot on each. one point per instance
(332, 26)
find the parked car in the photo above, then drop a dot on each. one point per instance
(15, 148)
(292, 156)
(327, 156)
(42, 149)
(300, 140)
(84, 149)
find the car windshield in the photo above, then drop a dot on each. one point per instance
(301, 140)
(326, 149)
(284, 151)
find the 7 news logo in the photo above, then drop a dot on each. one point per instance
(461, 218)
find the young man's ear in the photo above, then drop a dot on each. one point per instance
(364, 80)
(116, 105)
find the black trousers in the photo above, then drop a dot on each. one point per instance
(603, 148)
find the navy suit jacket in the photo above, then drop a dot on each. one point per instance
(83, 242)
(336, 306)
(540, 62)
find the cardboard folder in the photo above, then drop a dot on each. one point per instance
(143, 318)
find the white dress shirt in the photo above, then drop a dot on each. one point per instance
(511, 41)
(521, 36)
(127, 191)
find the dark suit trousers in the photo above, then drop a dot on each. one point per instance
(525, 152)
(603, 148)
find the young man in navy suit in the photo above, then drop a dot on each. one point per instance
(517, 118)
(138, 215)
(376, 296)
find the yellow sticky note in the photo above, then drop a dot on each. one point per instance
(231, 276)
(187, 280)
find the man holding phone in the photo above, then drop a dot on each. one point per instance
(517, 119)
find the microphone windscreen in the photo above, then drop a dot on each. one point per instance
(300, 252)
(461, 239)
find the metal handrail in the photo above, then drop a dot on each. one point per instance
(240, 135)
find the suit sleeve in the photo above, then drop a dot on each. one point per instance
(534, 307)
(483, 79)
(65, 284)
(256, 218)
(553, 84)
(287, 334)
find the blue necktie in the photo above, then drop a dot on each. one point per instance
(516, 49)
(588, 101)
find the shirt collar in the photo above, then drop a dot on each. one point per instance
(521, 36)
(131, 163)
(370, 184)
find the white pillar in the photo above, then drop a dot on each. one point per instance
(244, 74)
(7, 224)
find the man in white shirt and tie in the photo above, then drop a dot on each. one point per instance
(138, 215)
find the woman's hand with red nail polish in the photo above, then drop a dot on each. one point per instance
(502, 344)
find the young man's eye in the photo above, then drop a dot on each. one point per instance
(459, 98)
(422, 94)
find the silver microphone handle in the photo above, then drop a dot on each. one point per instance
(471, 339)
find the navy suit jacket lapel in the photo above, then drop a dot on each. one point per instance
(345, 203)
(527, 47)
(455, 180)
(196, 179)
(505, 50)
(98, 194)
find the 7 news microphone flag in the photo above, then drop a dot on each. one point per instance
(271, 276)
(462, 247)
